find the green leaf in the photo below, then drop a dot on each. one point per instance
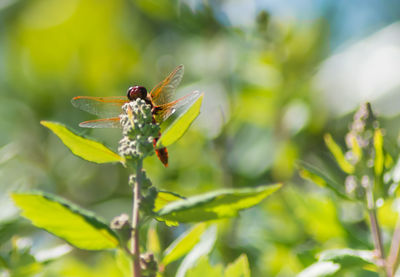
(320, 269)
(348, 257)
(355, 147)
(163, 198)
(175, 129)
(379, 157)
(338, 154)
(183, 244)
(84, 148)
(156, 200)
(215, 205)
(203, 268)
(123, 262)
(201, 249)
(239, 268)
(62, 218)
(312, 173)
(19, 262)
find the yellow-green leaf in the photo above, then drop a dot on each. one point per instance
(355, 147)
(60, 217)
(203, 268)
(215, 205)
(379, 157)
(180, 124)
(124, 262)
(312, 173)
(163, 198)
(239, 268)
(84, 148)
(183, 244)
(338, 154)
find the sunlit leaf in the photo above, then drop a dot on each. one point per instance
(180, 124)
(239, 268)
(379, 156)
(60, 217)
(156, 200)
(204, 268)
(165, 197)
(84, 148)
(338, 154)
(162, 199)
(183, 244)
(124, 262)
(320, 269)
(310, 172)
(355, 147)
(215, 205)
(202, 248)
(348, 257)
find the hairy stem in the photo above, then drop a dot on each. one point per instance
(135, 221)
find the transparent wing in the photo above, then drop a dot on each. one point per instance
(100, 106)
(101, 123)
(163, 92)
(162, 112)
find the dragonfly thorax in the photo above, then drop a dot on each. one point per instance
(136, 92)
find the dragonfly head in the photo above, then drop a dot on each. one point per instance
(136, 92)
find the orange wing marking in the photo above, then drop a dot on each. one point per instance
(166, 110)
(163, 92)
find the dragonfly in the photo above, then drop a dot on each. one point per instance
(160, 98)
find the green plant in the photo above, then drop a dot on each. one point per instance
(137, 255)
(370, 180)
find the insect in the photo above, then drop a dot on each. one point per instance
(159, 98)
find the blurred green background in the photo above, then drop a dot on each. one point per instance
(277, 75)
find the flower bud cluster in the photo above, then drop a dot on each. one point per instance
(148, 265)
(361, 151)
(121, 225)
(360, 138)
(138, 130)
(362, 128)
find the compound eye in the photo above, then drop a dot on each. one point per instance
(143, 92)
(143, 89)
(136, 92)
(129, 93)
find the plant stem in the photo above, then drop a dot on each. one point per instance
(376, 233)
(135, 221)
(392, 260)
